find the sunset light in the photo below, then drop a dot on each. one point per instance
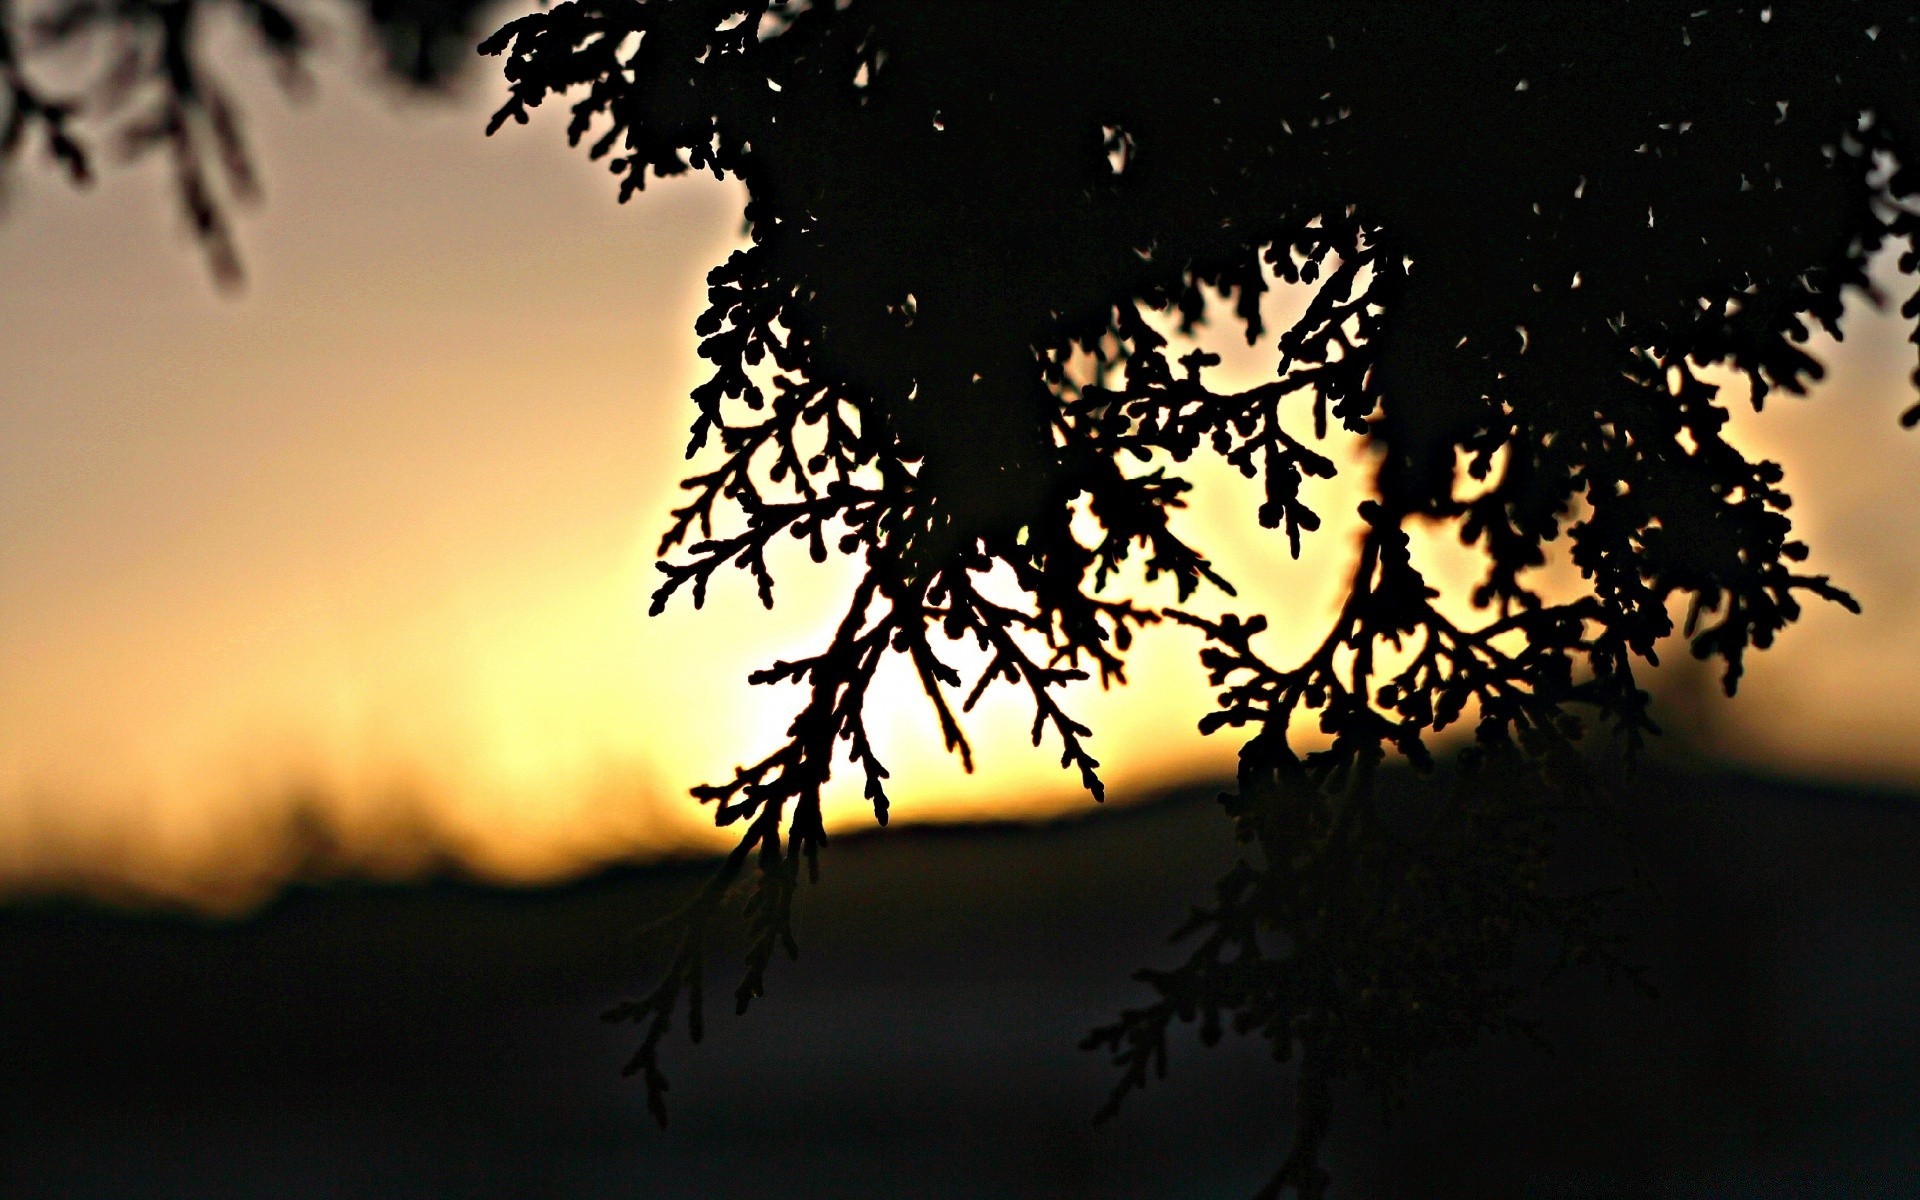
(371, 556)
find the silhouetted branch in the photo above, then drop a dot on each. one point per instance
(1527, 230)
(150, 88)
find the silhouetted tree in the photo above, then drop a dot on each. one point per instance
(1530, 227)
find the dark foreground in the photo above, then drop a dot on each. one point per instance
(441, 1041)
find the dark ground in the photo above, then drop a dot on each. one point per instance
(441, 1041)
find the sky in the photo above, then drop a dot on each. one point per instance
(359, 557)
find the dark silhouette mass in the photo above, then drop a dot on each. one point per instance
(377, 1042)
(1531, 227)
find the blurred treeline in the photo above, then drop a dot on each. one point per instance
(357, 1040)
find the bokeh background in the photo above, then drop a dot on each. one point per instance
(322, 630)
(359, 558)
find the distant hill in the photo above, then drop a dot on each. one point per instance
(440, 1041)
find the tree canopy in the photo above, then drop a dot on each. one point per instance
(1530, 226)
(1531, 229)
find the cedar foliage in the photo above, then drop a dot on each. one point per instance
(1530, 227)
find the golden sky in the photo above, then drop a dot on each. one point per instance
(371, 543)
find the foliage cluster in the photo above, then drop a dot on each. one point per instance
(1530, 228)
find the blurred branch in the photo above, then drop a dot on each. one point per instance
(152, 89)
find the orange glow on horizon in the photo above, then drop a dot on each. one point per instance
(364, 557)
